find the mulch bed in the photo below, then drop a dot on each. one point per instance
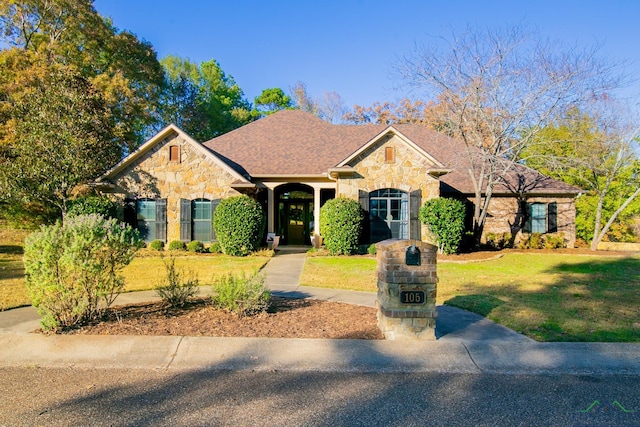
(286, 318)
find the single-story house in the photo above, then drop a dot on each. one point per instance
(293, 162)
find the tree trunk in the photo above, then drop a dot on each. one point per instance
(598, 235)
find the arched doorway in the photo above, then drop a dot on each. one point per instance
(294, 221)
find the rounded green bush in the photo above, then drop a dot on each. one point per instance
(177, 245)
(215, 248)
(93, 205)
(239, 224)
(73, 270)
(341, 223)
(156, 245)
(195, 246)
(445, 220)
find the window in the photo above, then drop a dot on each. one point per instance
(201, 218)
(389, 214)
(151, 218)
(196, 220)
(541, 218)
(174, 153)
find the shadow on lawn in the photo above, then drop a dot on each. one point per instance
(477, 303)
(592, 300)
(11, 249)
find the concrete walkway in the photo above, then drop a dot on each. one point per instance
(467, 343)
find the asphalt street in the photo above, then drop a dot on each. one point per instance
(142, 397)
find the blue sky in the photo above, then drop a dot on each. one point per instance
(350, 46)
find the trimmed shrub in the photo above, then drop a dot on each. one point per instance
(72, 269)
(176, 290)
(177, 245)
(196, 246)
(372, 250)
(542, 241)
(554, 241)
(445, 220)
(156, 245)
(93, 205)
(498, 240)
(239, 224)
(241, 294)
(341, 223)
(215, 248)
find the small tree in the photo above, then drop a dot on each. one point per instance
(177, 287)
(72, 269)
(445, 220)
(341, 223)
(239, 224)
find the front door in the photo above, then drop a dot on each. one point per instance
(297, 223)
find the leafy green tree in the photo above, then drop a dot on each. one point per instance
(120, 67)
(179, 101)
(341, 222)
(272, 100)
(60, 134)
(597, 152)
(202, 99)
(445, 220)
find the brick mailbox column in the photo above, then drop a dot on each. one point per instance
(406, 289)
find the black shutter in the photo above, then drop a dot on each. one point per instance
(363, 197)
(129, 213)
(415, 199)
(552, 217)
(214, 205)
(526, 209)
(185, 220)
(161, 219)
(365, 234)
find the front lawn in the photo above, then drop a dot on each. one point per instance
(548, 297)
(147, 271)
(144, 273)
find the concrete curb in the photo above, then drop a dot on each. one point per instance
(315, 355)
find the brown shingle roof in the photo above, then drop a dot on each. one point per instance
(293, 142)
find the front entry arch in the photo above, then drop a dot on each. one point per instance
(294, 220)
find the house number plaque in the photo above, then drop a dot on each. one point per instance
(412, 297)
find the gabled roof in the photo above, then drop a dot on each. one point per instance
(391, 130)
(293, 142)
(161, 136)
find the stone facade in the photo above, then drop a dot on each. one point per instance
(407, 172)
(398, 319)
(505, 216)
(193, 175)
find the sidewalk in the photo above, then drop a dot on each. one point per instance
(467, 343)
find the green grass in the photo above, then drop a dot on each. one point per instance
(144, 273)
(12, 288)
(354, 273)
(548, 297)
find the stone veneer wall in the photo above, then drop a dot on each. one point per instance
(406, 173)
(196, 175)
(406, 321)
(503, 212)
